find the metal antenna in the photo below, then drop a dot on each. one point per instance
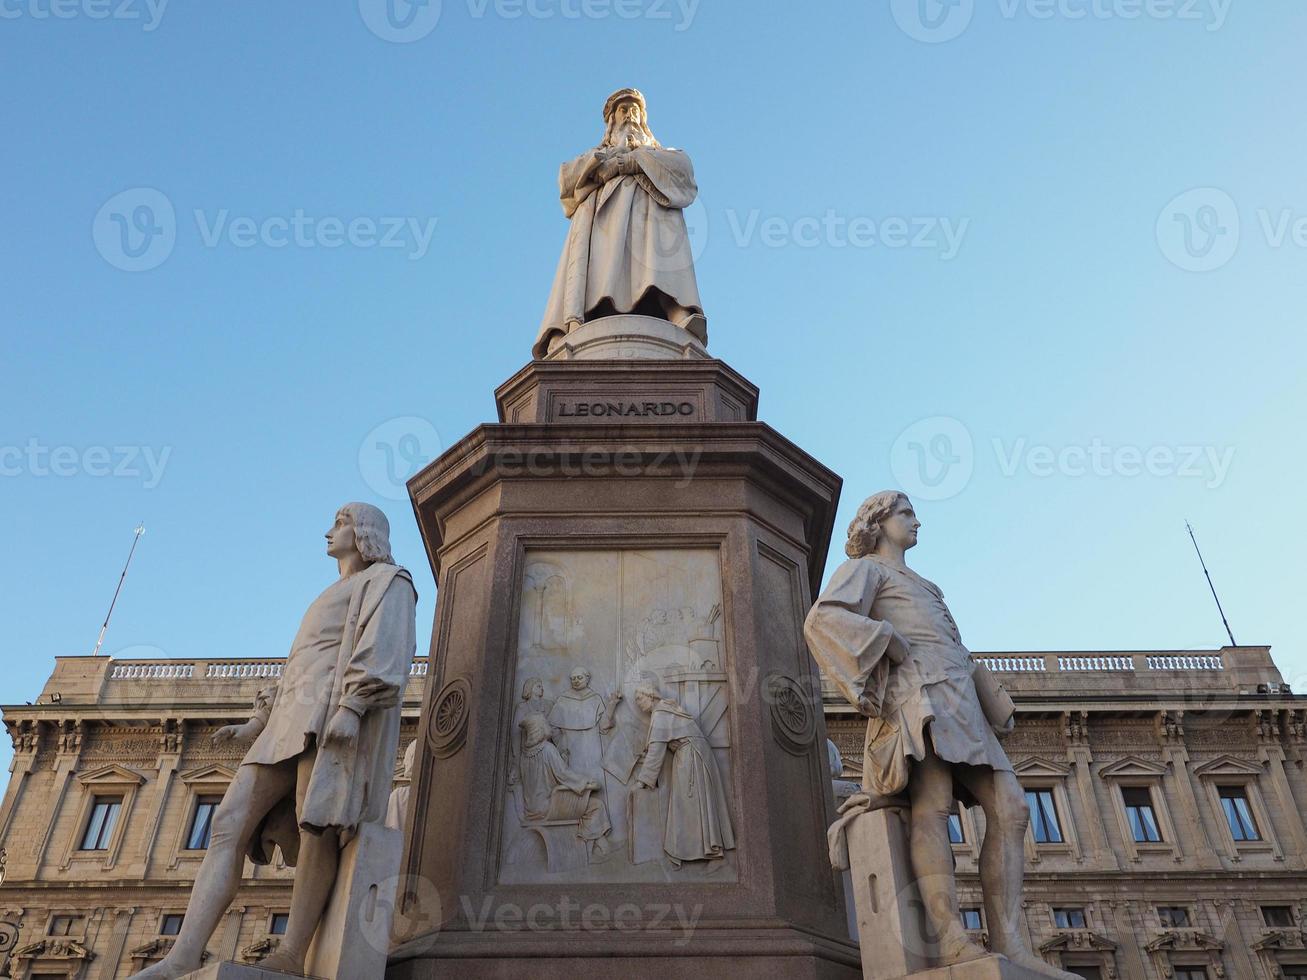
(1228, 633)
(140, 529)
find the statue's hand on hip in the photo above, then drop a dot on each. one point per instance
(343, 730)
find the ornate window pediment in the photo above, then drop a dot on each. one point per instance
(1284, 939)
(1036, 768)
(1184, 941)
(1133, 767)
(1078, 941)
(214, 773)
(1228, 765)
(54, 949)
(111, 775)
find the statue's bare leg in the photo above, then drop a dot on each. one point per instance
(1002, 863)
(315, 878)
(252, 794)
(930, 790)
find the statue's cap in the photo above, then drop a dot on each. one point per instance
(624, 95)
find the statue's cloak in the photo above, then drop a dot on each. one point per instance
(350, 785)
(628, 238)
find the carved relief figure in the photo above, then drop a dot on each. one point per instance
(580, 715)
(628, 248)
(885, 636)
(698, 819)
(322, 763)
(551, 790)
(637, 616)
(533, 702)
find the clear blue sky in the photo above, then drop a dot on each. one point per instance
(1068, 313)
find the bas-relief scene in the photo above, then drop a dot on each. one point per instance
(620, 763)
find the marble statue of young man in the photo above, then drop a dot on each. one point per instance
(628, 248)
(323, 759)
(885, 636)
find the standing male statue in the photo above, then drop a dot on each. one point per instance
(885, 636)
(628, 250)
(323, 761)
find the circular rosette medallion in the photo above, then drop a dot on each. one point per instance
(449, 717)
(793, 721)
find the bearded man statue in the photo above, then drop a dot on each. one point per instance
(628, 248)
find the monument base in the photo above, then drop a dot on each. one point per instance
(230, 970)
(990, 968)
(730, 954)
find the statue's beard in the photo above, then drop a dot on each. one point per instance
(629, 136)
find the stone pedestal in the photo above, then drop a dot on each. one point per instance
(891, 924)
(353, 939)
(229, 970)
(607, 548)
(990, 968)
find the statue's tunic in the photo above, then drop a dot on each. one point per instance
(576, 716)
(848, 631)
(355, 649)
(627, 237)
(698, 817)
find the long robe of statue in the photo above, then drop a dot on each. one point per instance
(628, 247)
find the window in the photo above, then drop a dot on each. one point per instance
(955, 834)
(171, 925)
(1043, 816)
(1069, 918)
(1088, 972)
(99, 829)
(1238, 814)
(1290, 971)
(1139, 812)
(66, 925)
(971, 918)
(202, 823)
(277, 926)
(1190, 973)
(1173, 917)
(1277, 915)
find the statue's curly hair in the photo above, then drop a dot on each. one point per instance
(864, 529)
(371, 532)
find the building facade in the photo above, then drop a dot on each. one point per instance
(1167, 790)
